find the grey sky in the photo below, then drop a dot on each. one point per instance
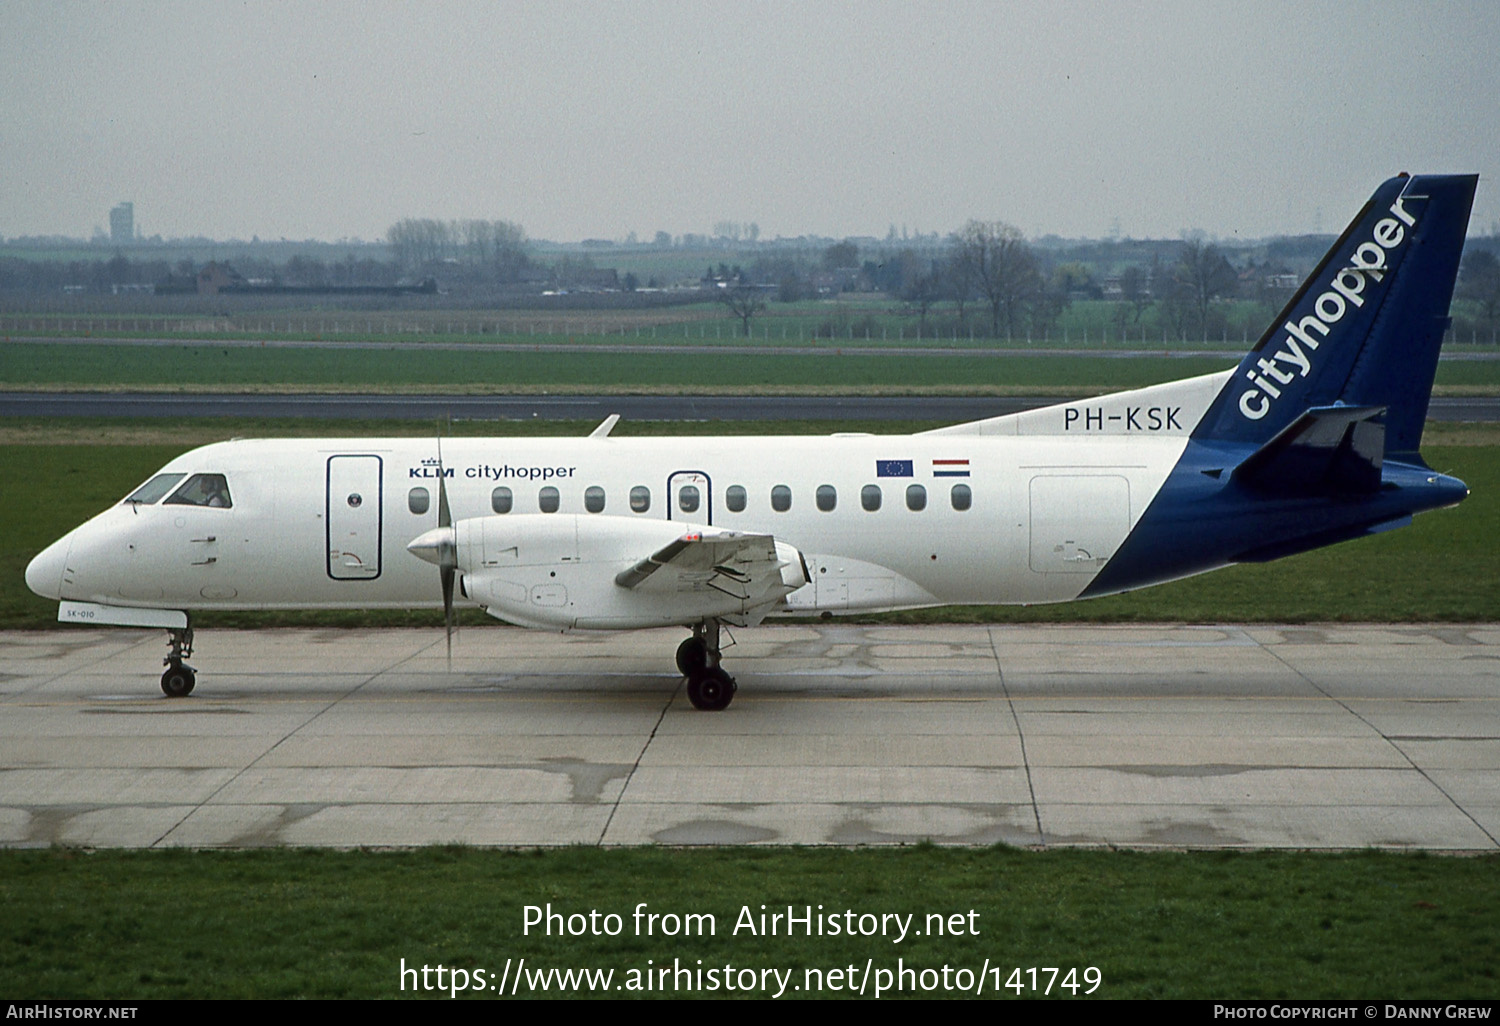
(326, 120)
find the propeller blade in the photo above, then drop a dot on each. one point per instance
(447, 575)
(448, 554)
(445, 517)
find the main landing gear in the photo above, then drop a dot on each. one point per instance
(179, 679)
(709, 688)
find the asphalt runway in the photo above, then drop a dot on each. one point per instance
(1485, 409)
(1307, 737)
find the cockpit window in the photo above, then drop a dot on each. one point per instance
(202, 490)
(154, 489)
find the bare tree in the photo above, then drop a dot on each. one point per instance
(1003, 267)
(922, 293)
(1202, 275)
(958, 277)
(1135, 290)
(744, 301)
(1480, 283)
(498, 247)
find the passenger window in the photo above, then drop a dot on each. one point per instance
(869, 497)
(687, 498)
(202, 490)
(640, 499)
(418, 501)
(781, 498)
(154, 489)
(916, 498)
(962, 497)
(827, 498)
(501, 500)
(547, 499)
(734, 498)
(593, 499)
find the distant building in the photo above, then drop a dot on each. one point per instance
(122, 223)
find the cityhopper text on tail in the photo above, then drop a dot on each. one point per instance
(1312, 439)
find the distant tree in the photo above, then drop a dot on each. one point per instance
(841, 255)
(496, 248)
(1479, 282)
(662, 240)
(418, 242)
(958, 274)
(1004, 270)
(923, 293)
(1072, 277)
(1202, 275)
(302, 270)
(119, 269)
(1046, 309)
(1135, 289)
(744, 301)
(896, 273)
(630, 282)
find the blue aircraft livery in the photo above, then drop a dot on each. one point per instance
(1313, 439)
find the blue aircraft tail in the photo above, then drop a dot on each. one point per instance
(1363, 331)
(1313, 439)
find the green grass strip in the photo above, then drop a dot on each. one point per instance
(326, 924)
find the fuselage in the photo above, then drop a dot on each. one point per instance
(882, 521)
(1087, 497)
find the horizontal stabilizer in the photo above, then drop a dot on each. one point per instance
(1328, 450)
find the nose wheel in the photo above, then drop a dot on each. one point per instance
(709, 688)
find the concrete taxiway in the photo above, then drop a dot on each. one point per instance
(1227, 736)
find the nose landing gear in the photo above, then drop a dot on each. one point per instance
(179, 679)
(708, 687)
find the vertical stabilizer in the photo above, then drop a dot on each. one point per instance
(1366, 326)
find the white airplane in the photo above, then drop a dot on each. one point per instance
(1311, 440)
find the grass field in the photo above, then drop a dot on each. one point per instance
(338, 924)
(250, 368)
(210, 367)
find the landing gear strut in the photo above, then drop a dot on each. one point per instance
(179, 679)
(709, 688)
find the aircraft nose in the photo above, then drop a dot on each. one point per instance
(44, 573)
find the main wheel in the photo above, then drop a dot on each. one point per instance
(178, 681)
(711, 690)
(692, 656)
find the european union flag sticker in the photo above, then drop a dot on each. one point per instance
(894, 468)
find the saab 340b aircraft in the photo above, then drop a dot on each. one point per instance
(1311, 440)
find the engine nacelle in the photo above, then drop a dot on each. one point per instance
(565, 572)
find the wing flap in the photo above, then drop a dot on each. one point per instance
(742, 565)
